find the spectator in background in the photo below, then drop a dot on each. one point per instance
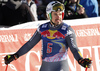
(33, 8)
(38, 2)
(41, 12)
(15, 12)
(73, 10)
(91, 7)
(45, 2)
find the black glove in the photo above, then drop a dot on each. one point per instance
(10, 58)
(85, 62)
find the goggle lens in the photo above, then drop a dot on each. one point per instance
(58, 6)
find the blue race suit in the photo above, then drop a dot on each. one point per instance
(55, 43)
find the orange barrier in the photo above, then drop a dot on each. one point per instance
(88, 41)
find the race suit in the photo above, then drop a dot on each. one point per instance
(55, 44)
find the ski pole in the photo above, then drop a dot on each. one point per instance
(6, 67)
(86, 68)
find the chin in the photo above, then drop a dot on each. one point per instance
(58, 23)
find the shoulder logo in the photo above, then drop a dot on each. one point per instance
(69, 32)
(44, 25)
(63, 27)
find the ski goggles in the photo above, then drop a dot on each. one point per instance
(58, 6)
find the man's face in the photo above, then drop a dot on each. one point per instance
(56, 17)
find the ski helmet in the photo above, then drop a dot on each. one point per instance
(54, 6)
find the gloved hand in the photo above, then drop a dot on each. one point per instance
(85, 62)
(10, 58)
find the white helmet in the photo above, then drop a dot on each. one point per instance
(54, 6)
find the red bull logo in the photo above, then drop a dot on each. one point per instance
(52, 34)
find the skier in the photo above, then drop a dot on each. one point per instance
(56, 37)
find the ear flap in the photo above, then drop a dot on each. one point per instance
(50, 16)
(62, 15)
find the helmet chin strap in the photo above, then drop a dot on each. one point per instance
(53, 24)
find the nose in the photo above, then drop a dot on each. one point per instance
(58, 16)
